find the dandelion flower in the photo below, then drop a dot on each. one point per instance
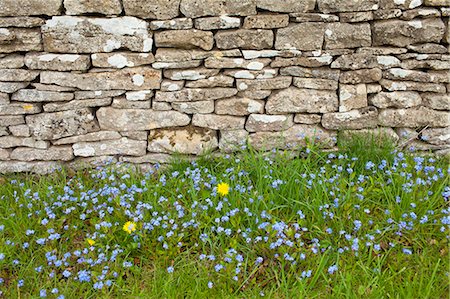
(223, 189)
(129, 227)
(91, 242)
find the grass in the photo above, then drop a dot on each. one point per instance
(368, 221)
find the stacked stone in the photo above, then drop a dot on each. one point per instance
(135, 81)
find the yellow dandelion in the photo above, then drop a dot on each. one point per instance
(223, 189)
(129, 227)
(91, 242)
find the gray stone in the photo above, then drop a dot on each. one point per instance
(170, 85)
(169, 55)
(364, 61)
(163, 106)
(245, 39)
(264, 84)
(361, 76)
(232, 140)
(195, 94)
(34, 95)
(185, 39)
(139, 119)
(202, 107)
(123, 103)
(121, 59)
(123, 146)
(266, 21)
(428, 48)
(328, 6)
(410, 85)
(4, 99)
(229, 63)
(295, 100)
(404, 4)
(11, 120)
(352, 120)
(106, 7)
(218, 122)
(51, 87)
(383, 50)
(437, 136)
(193, 74)
(155, 9)
(22, 39)
(287, 5)
(425, 64)
(188, 140)
(396, 99)
(414, 118)
(436, 101)
(304, 36)
(31, 167)
(214, 23)
(142, 95)
(342, 35)
(90, 137)
(202, 8)
(67, 34)
(307, 119)
(77, 104)
(30, 7)
(57, 62)
(61, 153)
(173, 24)
(24, 22)
(385, 14)
(313, 17)
(139, 78)
(13, 61)
(239, 106)
(4, 154)
(254, 94)
(19, 109)
(51, 126)
(321, 73)
(302, 61)
(419, 76)
(136, 135)
(98, 94)
(248, 74)
(274, 123)
(315, 83)
(353, 17)
(216, 81)
(252, 54)
(17, 75)
(352, 97)
(177, 64)
(12, 141)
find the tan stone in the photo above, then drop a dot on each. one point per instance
(214, 23)
(201, 107)
(436, 101)
(419, 76)
(436, 2)
(173, 24)
(90, 137)
(121, 59)
(168, 55)
(17, 75)
(232, 140)
(364, 61)
(30, 7)
(352, 97)
(428, 48)
(254, 94)
(414, 118)
(22, 39)
(266, 21)
(12, 120)
(302, 61)
(245, 39)
(352, 120)
(12, 141)
(12, 61)
(82, 95)
(77, 104)
(40, 168)
(201, 8)
(361, 76)
(195, 94)
(437, 136)
(385, 14)
(321, 73)
(315, 83)
(4, 154)
(378, 135)
(61, 153)
(123, 103)
(170, 85)
(155, 9)
(342, 6)
(229, 63)
(263, 122)
(105, 7)
(123, 146)
(57, 62)
(396, 99)
(185, 39)
(239, 106)
(21, 22)
(342, 35)
(410, 85)
(136, 135)
(15, 108)
(177, 64)
(313, 17)
(215, 81)
(304, 36)
(267, 73)
(353, 17)
(425, 64)
(307, 119)
(218, 122)
(264, 84)
(286, 5)
(192, 74)
(33, 95)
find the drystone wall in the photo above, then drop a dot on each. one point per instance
(134, 80)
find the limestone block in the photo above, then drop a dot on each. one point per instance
(254, 39)
(12, 61)
(106, 7)
(195, 94)
(22, 40)
(414, 117)
(438, 101)
(396, 99)
(271, 123)
(201, 8)
(89, 137)
(361, 76)
(121, 59)
(315, 83)
(123, 146)
(352, 120)
(328, 6)
(344, 35)
(57, 62)
(304, 36)
(30, 7)
(266, 21)
(173, 24)
(218, 122)
(34, 95)
(214, 23)
(287, 5)
(200, 107)
(155, 9)
(232, 140)
(239, 106)
(352, 97)
(53, 153)
(185, 39)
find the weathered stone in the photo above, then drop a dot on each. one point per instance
(136, 135)
(185, 39)
(262, 122)
(189, 140)
(381, 51)
(30, 7)
(342, 35)
(307, 119)
(177, 64)
(53, 153)
(214, 23)
(247, 74)
(313, 17)
(304, 36)
(421, 13)
(315, 83)
(11, 120)
(4, 99)
(361, 76)
(25, 39)
(396, 99)
(252, 54)
(352, 120)
(155, 9)
(230, 63)
(218, 122)
(428, 48)
(216, 81)
(123, 146)
(419, 56)
(302, 61)
(33, 167)
(195, 94)
(341, 6)
(193, 74)
(239, 106)
(163, 106)
(77, 104)
(287, 5)
(12, 141)
(21, 22)
(57, 62)
(352, 97)
(373, 88)
(168, 55)
(142, 95)
(232, 140)
(202, 107)
(438, 101)
(264, 84)
(425, 64)
(19, 109)
(414, 117)
(173, 24)
(321, 73)
(121, 59)
(4, 131)
(402, 33)
(17, 75)
(353, 17)
(245, 39)
(97, 94)
(266, 21)
(51, 87)
(437, 136)
(295, 100)
(67, 34)
(13, 61)
(169, 85)
(51, 126)
(378, 135)
(429, 76)
(254, 94)
(202, 8)
(139, 78)
(123, 103)
(105, 7)
(33, 95)
(364, 61)
(4, 154)
(410, 85)
(385, 14)
(137, 119)
(404, 4)
(90, 137)
(436, 2)
(294, 137)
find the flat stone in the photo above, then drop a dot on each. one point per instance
(22, 40)
(105, 7)
(365, 61)
(304, 36)
(67, 34)
(193, 74)
(170, 85)
(264, 84)
(383, 50)
(320, 73)
(4, 154)
(188, 140)
(177, 64)
(232, 140)
(249, 74)
(155, 9)
(295, 100)
(403, 33)
(215, 81)
(13, 61)
(121, 59)
(90, 137)
(61, 153)
(313, 17)
(239, 106)
(315, 83)
(245, 39)
(353, 17)
(30, 7)
(230, 63)
(4, 131)
(425, 64)
(201, 107)
(414, 86)
(287, 5)
(41, 168)
(51, 126)
(421, 12)
(385, 14)
(373, 88)
(123, 103)
(437, 136)
(19, 109)
(57, 62)
(271, 123)
(218, 122)
(352, 97)
(396, 99)
(202, 8)
(33, 95)
(419, 76)
(139, 119)
(252, 54)
(254, 94)
(77, 104)
(185, 39)
(302, 61)
(294, 137)
(428, 48)
(4, 99)
(136, 135)
(21, 22)
(214, 23)
(12, 141)
(266, 21)
(361, 76)
(11, 120)
(123, 146)
(139, 78)
(195, 94)
(342, 35)
(173, 24)
(438, 101)
(142, 95)
(352, 120)
(17, 75)
(436, 2)
(414, 117)
(51, 87)
(98, 94)
(163, 106)
(328, 6)
(169, 55)
(307, 119)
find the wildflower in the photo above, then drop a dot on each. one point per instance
(223, 189)
(332, 269)
(129, 227)
(43, 293)
(170, 269)
(210, 284)
(91, 242)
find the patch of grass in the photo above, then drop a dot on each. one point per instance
(364, 222)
